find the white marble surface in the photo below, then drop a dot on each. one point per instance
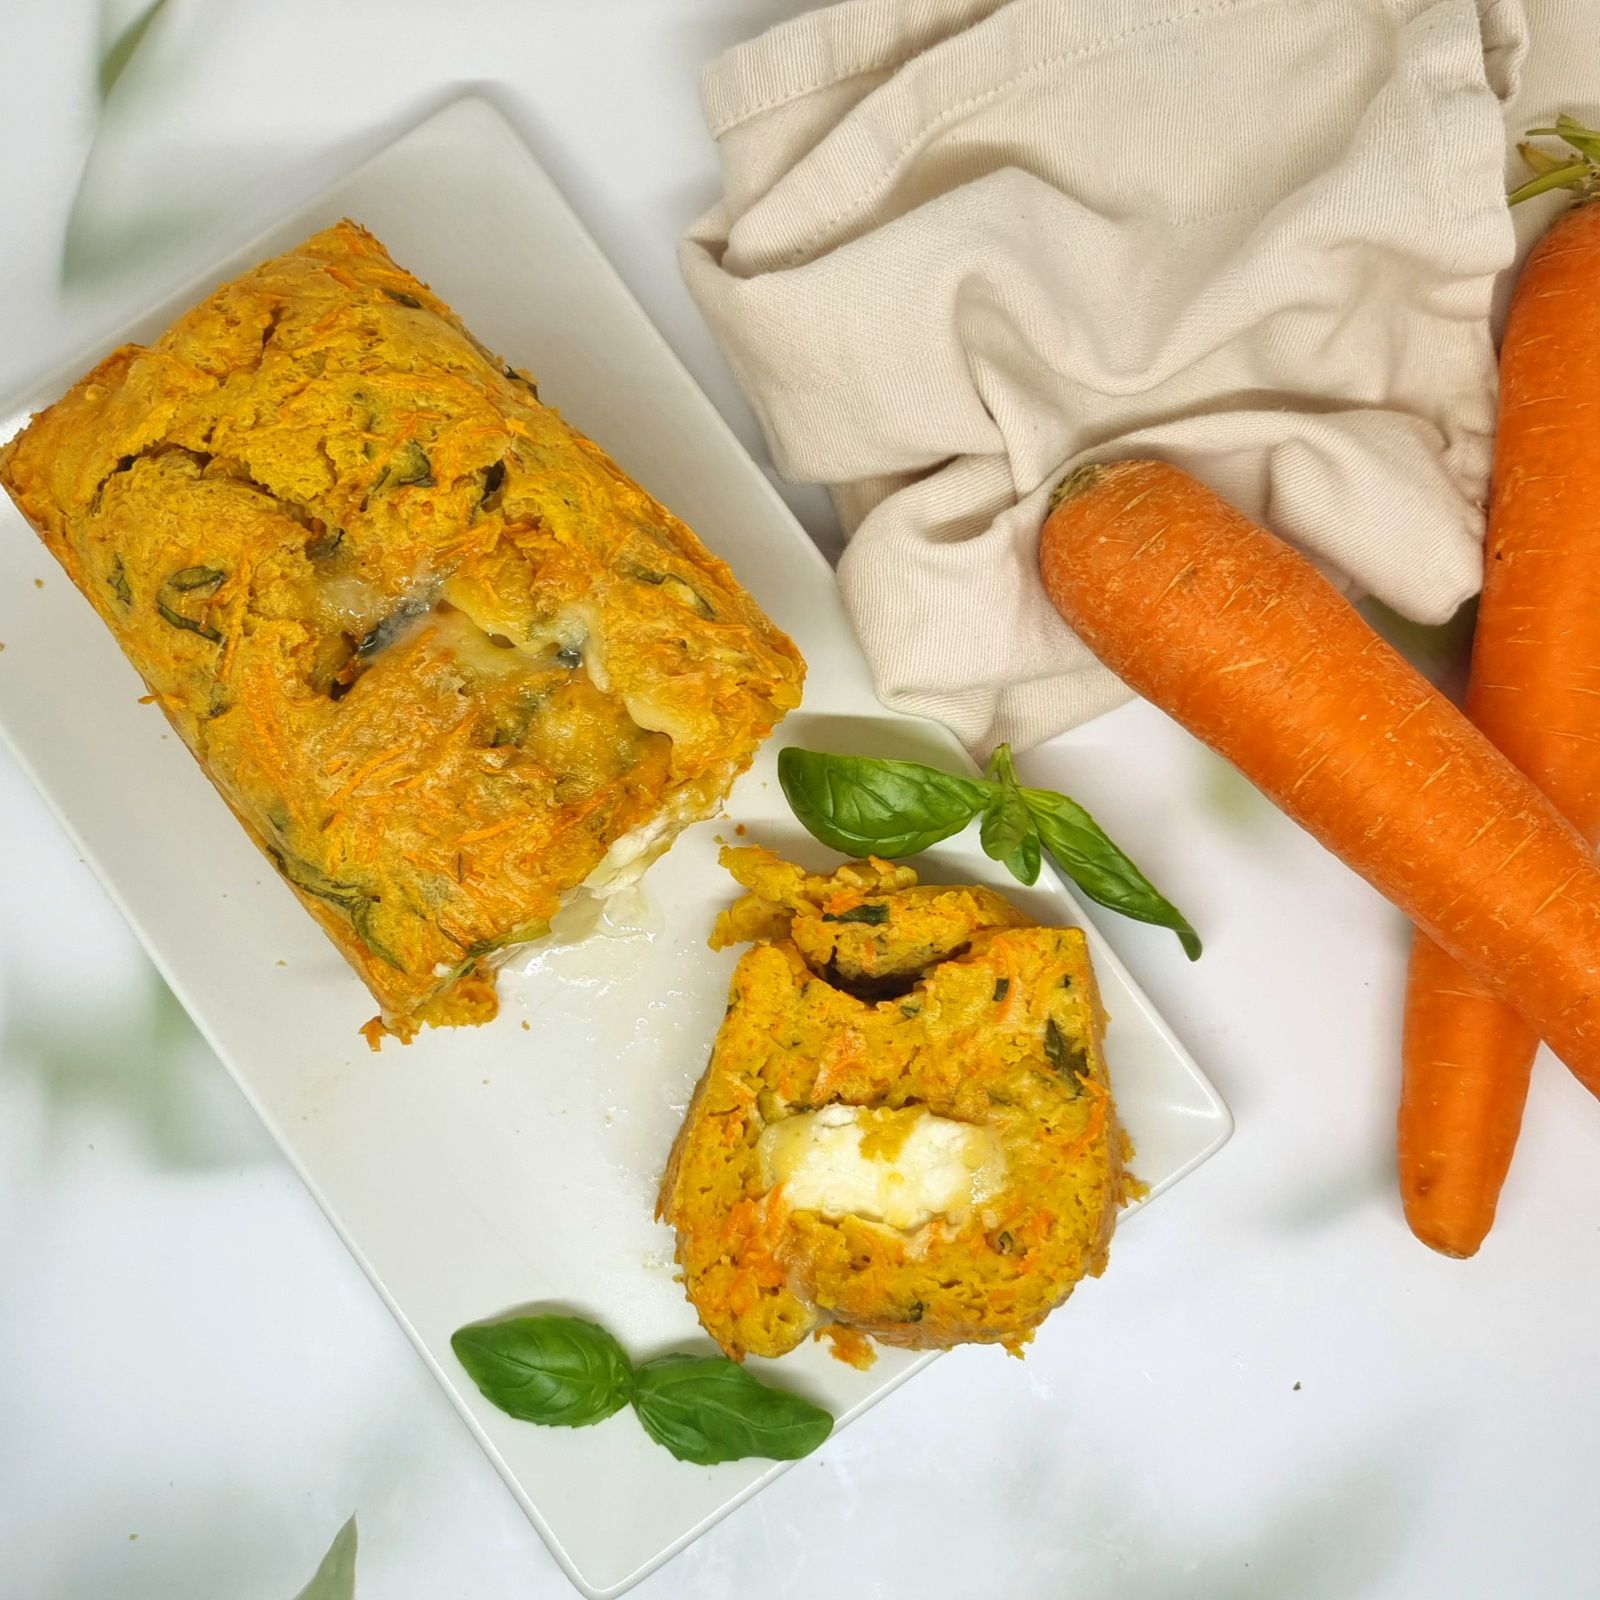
(1274, 1393)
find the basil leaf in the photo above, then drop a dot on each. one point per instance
(865, 806)
(1002, 768)
(874, 916)
(1006, 824)
(560, 1371)
(361, 920)
(114, 62)
(386, 630)
(494, 480)
(335, 1578)
(1007, 832)
(359, 903)
(315, 882)
(684, 593)
(1070, 1061)
(1081, 848)
(708, 1409)
(324, 543)
(1023, 862)
(190, 580)
(188, 624)
(408, 466)
(196, 580)
(522, 377)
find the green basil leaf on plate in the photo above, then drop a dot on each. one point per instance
(865, 806)
(707, 1409)
(1023, 862)
(1082, 849)
(1007, 832)
(560, 1371)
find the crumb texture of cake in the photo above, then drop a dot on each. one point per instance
(442, 657)
(906, 1126)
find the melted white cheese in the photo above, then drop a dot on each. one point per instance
(942, 1168)
(632, 853)
(475, 649)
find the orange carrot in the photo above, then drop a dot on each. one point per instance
(1467, 1058)
(1244, 642)
(1535, 690)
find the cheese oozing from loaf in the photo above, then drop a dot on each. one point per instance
(900, 1168)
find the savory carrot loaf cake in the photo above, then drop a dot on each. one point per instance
(444, 659)
(905, 1127)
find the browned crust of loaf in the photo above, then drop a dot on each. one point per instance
(141, 404)
(667, 1194)
(27, 487)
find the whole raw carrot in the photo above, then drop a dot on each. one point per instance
(1534, 690)
(1246, 644)
(1467, 1058)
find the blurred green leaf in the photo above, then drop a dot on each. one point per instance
(335, 1579)
(136, 1056)
(103, 234)
(1230, 796)
(120, 52)
(94, 248)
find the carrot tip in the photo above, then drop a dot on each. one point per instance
(1457, 1247)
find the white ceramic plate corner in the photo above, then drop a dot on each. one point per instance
(483, 1169)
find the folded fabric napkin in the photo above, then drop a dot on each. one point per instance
(966, 243)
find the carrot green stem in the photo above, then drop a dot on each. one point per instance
(1580, 175)
(1575, 175)
(1074, 483)
(1584, 140)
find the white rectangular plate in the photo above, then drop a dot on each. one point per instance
(484, 1169)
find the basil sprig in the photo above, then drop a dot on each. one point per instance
(565, 1372)
(867, 805)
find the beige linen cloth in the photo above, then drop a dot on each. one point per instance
(965, 243)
